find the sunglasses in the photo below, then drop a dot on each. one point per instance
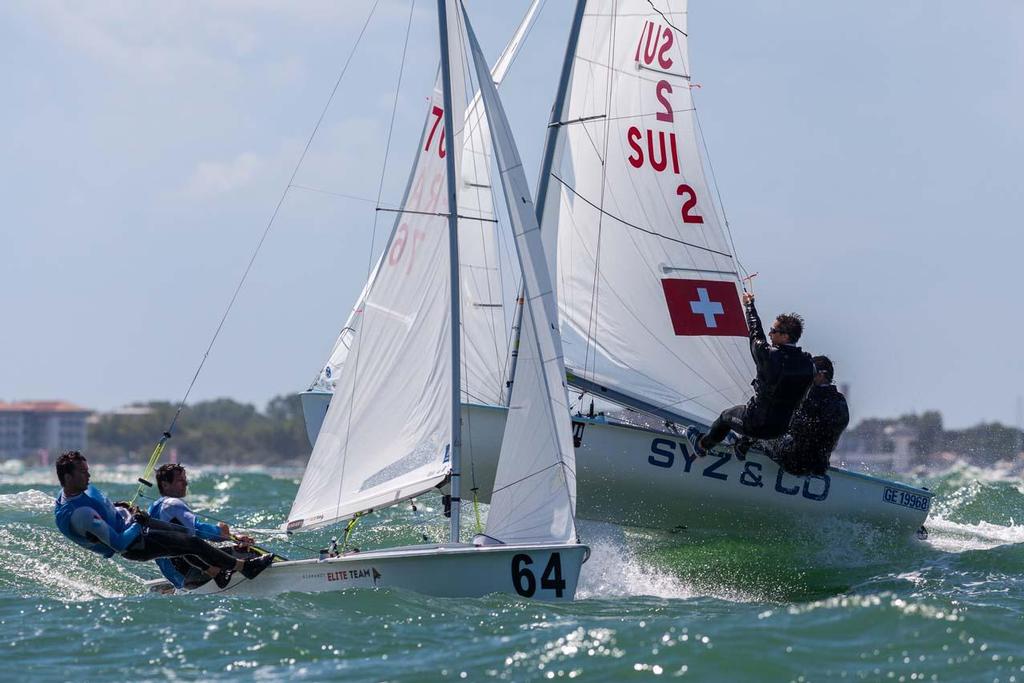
(775, 330)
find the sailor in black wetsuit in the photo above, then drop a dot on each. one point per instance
(816, 426)
(784, 374)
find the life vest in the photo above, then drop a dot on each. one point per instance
(93, 498)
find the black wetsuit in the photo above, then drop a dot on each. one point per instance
(814, 431)
(784, 374)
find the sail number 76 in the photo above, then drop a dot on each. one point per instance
(525, 582)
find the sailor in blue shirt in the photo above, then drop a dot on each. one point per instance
(188, 571)
(87, 517)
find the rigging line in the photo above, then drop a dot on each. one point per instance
(369, 273)
(526, 37)
(609, 86)
(273, 217)
(667, 20)
(467, 133)
(387, 145)
(637, 227)
(534, 474)
(335, 194)
(718, 193)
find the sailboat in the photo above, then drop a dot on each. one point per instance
(648, 285)
(404, 359)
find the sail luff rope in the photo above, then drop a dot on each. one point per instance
(591, 323)
(154, 458)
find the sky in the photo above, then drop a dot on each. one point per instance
(868, 156)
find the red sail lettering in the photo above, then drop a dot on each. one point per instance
(636, 57)
(662, 91)
(663, 60)
(633, 136)
(650, 51)
(675, 153)
(398, 244)
(689, 204)
(438, 115)
(658, 164)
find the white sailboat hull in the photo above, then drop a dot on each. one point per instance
(540, 572)
(640, 477)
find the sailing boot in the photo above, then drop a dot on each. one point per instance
(254, 566)
(694, 436)
(223, 578)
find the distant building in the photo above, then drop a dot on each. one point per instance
(35, 427)
(894, 454)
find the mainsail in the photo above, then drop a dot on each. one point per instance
(647, 284)
(534, 498)
(484, 337)
(396, 383)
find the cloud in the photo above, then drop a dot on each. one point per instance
(213, 178)
(163, 41)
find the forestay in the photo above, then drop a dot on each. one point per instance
(646, 281)
(390, 436)
(534, 498)
(485, 337)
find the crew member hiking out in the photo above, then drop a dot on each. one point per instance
(816, 426)
(87, 517)
(784, 373)
(188, 571)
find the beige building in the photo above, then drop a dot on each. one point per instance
(32, 427)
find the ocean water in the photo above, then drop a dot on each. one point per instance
(846, 604)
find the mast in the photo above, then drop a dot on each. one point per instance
(548, 160)
(558, 111)
(453, 259)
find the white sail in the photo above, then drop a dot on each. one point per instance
(647, 286)
(534, 498)
(484, 339)
(390, 437)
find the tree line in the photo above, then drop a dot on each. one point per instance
(221, 431)
(982, 444)
(224, 431)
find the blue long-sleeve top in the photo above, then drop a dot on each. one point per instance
(93, 522)
(177, 511)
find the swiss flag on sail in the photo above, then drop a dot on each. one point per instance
(704, 308)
